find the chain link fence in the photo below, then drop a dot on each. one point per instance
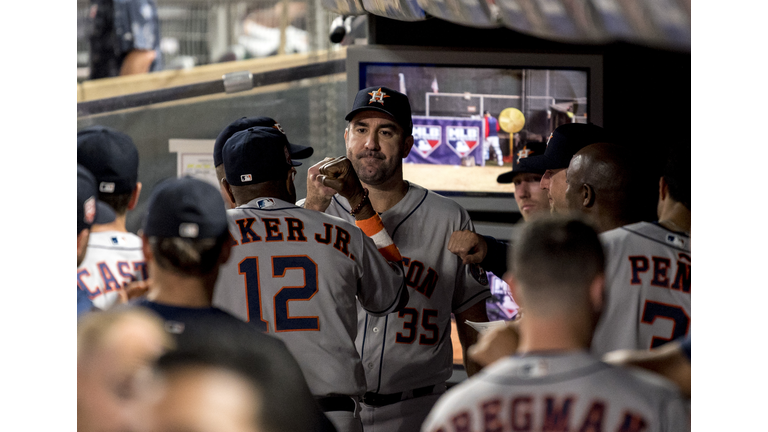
(199, 32)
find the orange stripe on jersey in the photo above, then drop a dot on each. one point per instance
(373, 227)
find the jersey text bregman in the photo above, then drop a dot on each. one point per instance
(112, 260)
(559, 392)
(648, 288)
(297, 274)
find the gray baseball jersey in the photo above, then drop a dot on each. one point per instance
(295, 273)
(648, 288)
(559, 391)
(412, 348)
(112, 260)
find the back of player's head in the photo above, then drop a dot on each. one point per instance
(256, 155)
(555, 260)
(243, 123)
(116, 351)
(95, 328)
(186, 224)
(113, 159)
(677, 173)
(235, 352)
(613, 172)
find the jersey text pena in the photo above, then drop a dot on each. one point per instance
(648, 288)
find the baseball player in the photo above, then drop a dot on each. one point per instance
(298, 274)
(407, 356)
(553, 383)
(114, 257)
(243, 123)
(116, 350)
(562, 144)
(89, 211)
(532, 201)
(491, 138)
(649, 269)
(186, 240)
(605, 184)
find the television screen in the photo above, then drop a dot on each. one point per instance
(475, 113)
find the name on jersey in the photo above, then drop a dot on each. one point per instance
(110, 279)
(661, 272)
(421, 278)
(289, 229)
(540, 413)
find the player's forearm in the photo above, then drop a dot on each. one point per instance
(467, 335)
(495, 260)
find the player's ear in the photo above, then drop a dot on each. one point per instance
(226, 251)
(145, 248)
(596, 292)
(407, 145)
(135, 196)
(587, 195)
(514, 288)
(227, 189)
(82, 242)
(663, 189)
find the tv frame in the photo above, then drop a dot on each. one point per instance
(358, 55)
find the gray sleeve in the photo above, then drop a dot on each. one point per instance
(382, 283)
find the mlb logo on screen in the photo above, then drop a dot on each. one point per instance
(246, 177)
(427, 138)
(463, 140)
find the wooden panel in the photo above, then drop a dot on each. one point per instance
(118, 86)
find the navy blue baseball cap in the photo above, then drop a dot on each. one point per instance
(243, 123)
(565, 142)
(89, 209)
(111, 156)
(519, 165)
(256, 155)
(386, 100)
(185, 207)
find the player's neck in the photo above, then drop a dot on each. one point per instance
(384, 196)
(674, 216)
(182, 291)
(554, 333)
(117, 225)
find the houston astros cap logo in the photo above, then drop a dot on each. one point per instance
(550, 137)
(278, 127)
(524, 153)
(378, 96)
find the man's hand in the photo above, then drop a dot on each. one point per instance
(134, 290)
(318, 196)
(469, 246)
(495, 344)
(339, 175)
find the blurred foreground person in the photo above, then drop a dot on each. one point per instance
(672, 360)
(222, 383)
(185, 242)
(115, 353)
(553, 383)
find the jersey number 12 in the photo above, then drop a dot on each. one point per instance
(249, 268)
